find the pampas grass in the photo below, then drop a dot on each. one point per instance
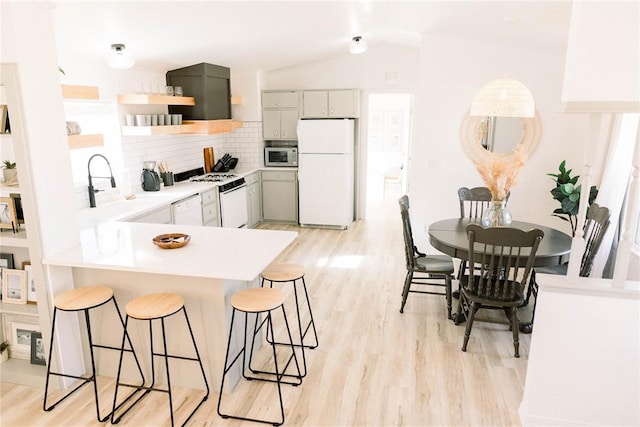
(500, 173)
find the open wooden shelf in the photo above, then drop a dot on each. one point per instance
(17, 240)
(157, 130)
(155, 99)
(85, 141)
(209, 127)
(79, 92)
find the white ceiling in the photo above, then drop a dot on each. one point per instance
(269, 35)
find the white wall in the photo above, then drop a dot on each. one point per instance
(362, 71)
(603, 61)
(451, 72)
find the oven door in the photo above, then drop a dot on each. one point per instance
(233, 207)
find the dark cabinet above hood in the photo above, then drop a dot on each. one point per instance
(209, 84)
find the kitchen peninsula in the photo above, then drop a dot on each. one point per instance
(216, 263)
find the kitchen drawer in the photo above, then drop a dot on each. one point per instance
(278, 175)
(252, 179)
(209, 214)
(209, 197)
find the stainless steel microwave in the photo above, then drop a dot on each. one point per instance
(281, 156)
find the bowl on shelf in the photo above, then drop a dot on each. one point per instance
(171, 240)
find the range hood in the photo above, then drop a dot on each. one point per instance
(209, 84)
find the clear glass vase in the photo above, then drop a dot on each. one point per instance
(496, 215)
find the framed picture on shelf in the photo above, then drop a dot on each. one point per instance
(18, 330)
(4, 118)
(31, 285)
(8, 217)
(6, 260)
(37, 349)
(14, 286)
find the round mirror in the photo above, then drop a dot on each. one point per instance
(488, 137)
(502, 133)
(499, 146)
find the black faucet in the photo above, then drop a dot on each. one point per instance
(92, 191)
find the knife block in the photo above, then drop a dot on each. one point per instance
(209, 159)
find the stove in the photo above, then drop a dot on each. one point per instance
(213, 177)
(232, 195)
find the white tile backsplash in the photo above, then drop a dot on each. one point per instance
(184, 152)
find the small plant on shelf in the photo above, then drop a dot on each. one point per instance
(9, 172)
(567, 192)
(4, 351)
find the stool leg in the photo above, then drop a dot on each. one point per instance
(226, 361)
(302, 334)
(93, 368)
(256, 330)
(275, 362)
(204, 376)
(166, 365)
(311, 322)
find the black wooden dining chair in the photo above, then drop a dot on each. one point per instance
(500, 262)
(429, 270)
(595, 227)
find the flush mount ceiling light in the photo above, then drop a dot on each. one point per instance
(357, 45)
(119, 59)
(503, 98)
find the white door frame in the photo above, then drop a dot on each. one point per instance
(362, 152)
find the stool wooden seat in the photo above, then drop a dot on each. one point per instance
(255, 301)
(154, 306)
(82, 300)
(294, 273)
(282, 272)
(149, 308)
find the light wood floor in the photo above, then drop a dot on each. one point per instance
(374, 366)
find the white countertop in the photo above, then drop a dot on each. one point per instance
(106, 242)
(223, 253)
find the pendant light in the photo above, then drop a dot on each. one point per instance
(503, 98)
(119, 58)
(357, 45)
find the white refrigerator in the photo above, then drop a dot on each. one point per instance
(326, 172)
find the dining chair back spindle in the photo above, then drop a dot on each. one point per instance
(500, 262)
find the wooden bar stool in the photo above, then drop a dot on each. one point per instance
(149, 308)
(294, 273)
(85, 299)
(256, 301)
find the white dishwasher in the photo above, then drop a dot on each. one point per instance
(187, 211)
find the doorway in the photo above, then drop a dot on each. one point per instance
(388, 141)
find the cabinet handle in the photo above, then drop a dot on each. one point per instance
(324, 110)
(332, 111)
(277, 132)
(278, 103)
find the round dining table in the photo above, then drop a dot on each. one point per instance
(449, 236)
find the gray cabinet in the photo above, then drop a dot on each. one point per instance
(254, 200)
(330, 103)
(280, 196)
(210, 216)
(280, 115)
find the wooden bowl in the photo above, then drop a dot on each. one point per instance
(171, 240)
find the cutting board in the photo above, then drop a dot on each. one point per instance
(209, 159)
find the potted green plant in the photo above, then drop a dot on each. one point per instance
(10, 172)
(4, 351)
(567, 192)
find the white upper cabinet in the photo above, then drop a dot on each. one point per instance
(280, 115)
(285, 99)
(330, 104)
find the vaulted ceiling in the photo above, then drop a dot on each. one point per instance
(269, 35)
